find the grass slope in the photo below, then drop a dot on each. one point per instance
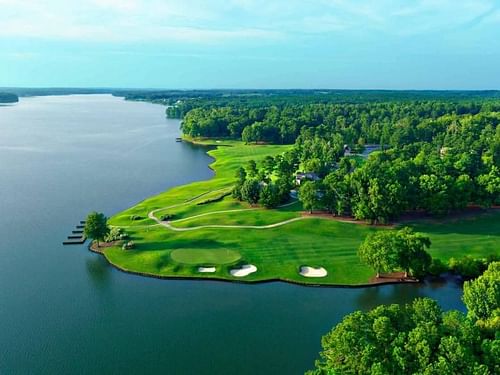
(277, 252)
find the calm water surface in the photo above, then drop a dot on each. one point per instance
(64, 310)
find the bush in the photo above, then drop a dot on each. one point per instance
(135, 217)
(215, 199)
(167, 217)
(467, 266)
(470, 267)
(437, 267)
(115, 234)
(128, 245)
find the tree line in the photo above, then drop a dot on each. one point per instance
(454, 163)
(395, 122)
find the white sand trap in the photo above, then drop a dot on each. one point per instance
(206, 269)
(307, 271)
(245, 270)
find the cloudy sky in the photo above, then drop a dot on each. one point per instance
(414, 44)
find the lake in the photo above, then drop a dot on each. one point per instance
(63, 309)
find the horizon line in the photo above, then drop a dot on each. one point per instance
(121, 88)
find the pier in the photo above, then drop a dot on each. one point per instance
(77, 237)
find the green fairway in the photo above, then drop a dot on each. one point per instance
(176, 248)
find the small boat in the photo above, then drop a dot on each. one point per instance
(178, 139)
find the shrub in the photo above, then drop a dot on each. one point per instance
(437, 267)
(114, 234)
(128, 245)
(467, 266)
(470, 267)
(215, 199)
(166, 217)
(135, 217)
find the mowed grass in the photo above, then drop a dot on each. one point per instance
(277, 252)
(228, 157)
(477, 236)
(246, 216)
(205, 256)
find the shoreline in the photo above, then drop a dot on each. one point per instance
(151, 203)
(252, 282)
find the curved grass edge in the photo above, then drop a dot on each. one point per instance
(208, 277)
(441, 236)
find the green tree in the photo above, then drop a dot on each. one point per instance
(96, 226)
(250, 191)
(313, 165)
(332, 192)
(482, 297)
(416, 338)
(412, 254)
(386, 251)
(251, 169)
(285, 165)
(379, 250)
(269, 196)
(268, 164)
(284, 185)
(308, 195)
(241, 176)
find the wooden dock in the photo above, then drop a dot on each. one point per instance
(79, 241)
(77, 237)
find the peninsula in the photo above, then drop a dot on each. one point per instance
(287, 212)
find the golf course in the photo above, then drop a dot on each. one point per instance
(200, 231)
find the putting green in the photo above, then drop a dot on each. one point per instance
(205, 256)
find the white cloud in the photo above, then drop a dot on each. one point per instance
(203, 21)
(119, 21)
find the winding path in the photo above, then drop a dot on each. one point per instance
(167, 224)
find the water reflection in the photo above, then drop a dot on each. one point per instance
(98, 270)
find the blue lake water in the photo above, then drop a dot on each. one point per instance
(65, 310)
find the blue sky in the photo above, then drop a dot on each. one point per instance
(399, 44)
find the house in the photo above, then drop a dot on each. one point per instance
(306, 176)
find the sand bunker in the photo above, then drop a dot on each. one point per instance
(307, 271)
(206, 269)
(245, 270)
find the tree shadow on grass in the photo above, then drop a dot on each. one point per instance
(487, 223)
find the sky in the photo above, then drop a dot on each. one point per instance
(344, 44)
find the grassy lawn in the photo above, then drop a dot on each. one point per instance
(277, 252)
(205, 256)
(248, 216)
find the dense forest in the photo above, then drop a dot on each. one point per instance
(357, 123)
(8, 98)
(435, 166)
(434, 156)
